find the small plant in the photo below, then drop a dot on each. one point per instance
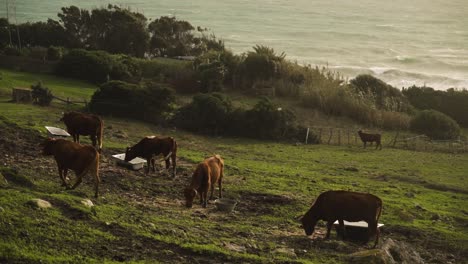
(41, 95)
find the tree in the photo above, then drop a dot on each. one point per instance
(170, 37)
(76, 24)
(118, 30)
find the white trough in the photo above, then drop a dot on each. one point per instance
(135, 164)
(360, 224)
(355, 230)
(56, 132)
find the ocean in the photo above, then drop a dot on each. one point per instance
(420, 42)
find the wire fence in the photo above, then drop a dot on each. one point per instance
(400, 140)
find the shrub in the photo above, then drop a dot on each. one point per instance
(207, 113)
(98, 66)
(11, 51)
(150, 102)
(264, 121)
(435, 125)
(41, 95)
(54, 53)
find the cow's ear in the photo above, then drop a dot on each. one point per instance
(127, 149)
(195, 191)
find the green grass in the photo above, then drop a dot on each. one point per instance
(140, 219)
(60, 87)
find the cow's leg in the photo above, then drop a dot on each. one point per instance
(62, 175)
(220, 186)
(329, 226)
(65, 172)
(78, 138)
(205, 194)
(201, 196)
(212, 191)
(93, 139)
(153, 164)
(79, 179)
(148, 165)
(174, 164)
(75, 138)
(377, 233)
(342, 228)
(96, 183)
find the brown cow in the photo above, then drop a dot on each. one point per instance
(84, 124)
(152, 145)
(370, 138)
(344, 205)
(205, 176)
(70, 155)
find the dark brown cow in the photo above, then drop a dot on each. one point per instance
(152, 146)
(84, 124)
(370, 138)
(206, 175)
(70, 155)
(344, 205)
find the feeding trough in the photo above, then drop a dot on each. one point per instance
(56, 132)
(134, 164)
(355, 230)
(225, 205)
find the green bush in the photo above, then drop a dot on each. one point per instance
(41, 95)
(207, 113)
(54, 53)
(435, 125)
(99, 66)
(149, 102)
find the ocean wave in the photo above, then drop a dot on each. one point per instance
(400, 78)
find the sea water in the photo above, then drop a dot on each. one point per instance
(403, 42)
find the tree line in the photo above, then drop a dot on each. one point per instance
(113, 29)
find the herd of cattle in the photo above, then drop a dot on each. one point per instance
(329, 206)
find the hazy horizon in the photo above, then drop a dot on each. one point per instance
(422, 42)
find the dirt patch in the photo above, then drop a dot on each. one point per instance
(261, 203)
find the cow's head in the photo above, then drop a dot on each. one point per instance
(130, 154)
(189, 194)
(63, 116)
(47, 146)
(308, 222)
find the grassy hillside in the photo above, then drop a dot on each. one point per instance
(141, 218)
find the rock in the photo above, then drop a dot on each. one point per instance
(435, 217)
(373, 256)
(351, 169)
(120, 134)
(235, 248)
(419, 207)
(409, 195)
(391, 252)
(39, 203)
(286, 251)
(355, 184)
(87, 203)
(3, 181)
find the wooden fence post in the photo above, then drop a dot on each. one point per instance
(331, 134)
(320, 136)
(339, 137)
(307, 136)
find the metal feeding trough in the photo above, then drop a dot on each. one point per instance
(355, 230)
(56, 132)
(135, 164)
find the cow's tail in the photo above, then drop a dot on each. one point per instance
(99, 133)
(173, 148)
(379, 211)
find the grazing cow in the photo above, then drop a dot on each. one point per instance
(344, 205)
(70, 155)
(84, 124)
(370, 138)
(205, 176)
(151, 145)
